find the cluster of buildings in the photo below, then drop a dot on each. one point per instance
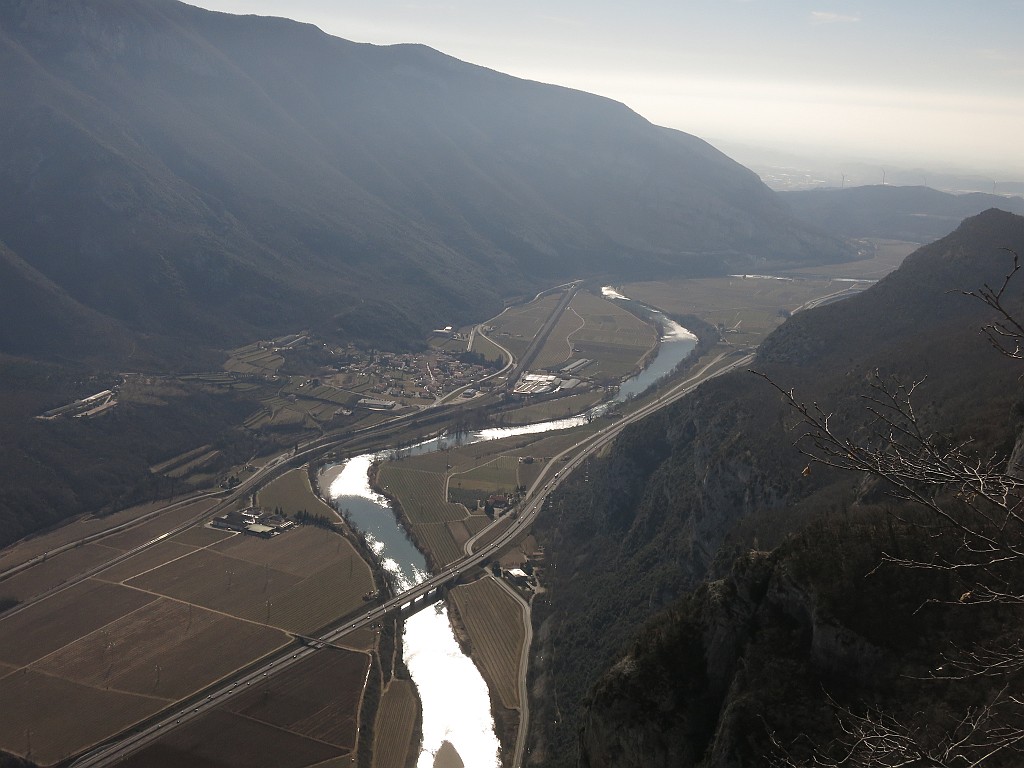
(544, 383)
(253, 522)
(407, 375)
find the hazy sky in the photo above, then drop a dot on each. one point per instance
(932, 82)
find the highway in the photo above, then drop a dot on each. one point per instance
(529, 508)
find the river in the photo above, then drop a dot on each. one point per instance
(456, 705)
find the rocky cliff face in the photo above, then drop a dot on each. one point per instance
(690, 490)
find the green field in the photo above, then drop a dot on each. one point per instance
(516, 327)
(599, 330)
(292, 493)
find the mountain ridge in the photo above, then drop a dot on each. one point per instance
(224, 174)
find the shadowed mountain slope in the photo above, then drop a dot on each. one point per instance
(208, 177)
(697, 485)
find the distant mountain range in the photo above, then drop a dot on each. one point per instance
(177, 176)
(915, 214)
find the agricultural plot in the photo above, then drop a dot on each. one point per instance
(396, 718)
(220, 583)
(324, 597)
(41, 629)
(165, 649)
(610, 336)
(318, 698)
(516, 327)
(292, 493)
(262, 594)
(558, 347)
(560, 408)
(484, 346)
(499, 475)
(55, 570)
(202, 536)
(177, 461)
(54, 718)
(439, 541)
(421, 494)
(146, 532)
(748, 309)
(494, 620)
(301, 551)
(149, 558)
(223, 739)
(253, 359)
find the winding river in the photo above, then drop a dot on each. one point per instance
(456, 705)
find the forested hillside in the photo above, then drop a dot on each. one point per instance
(703, 494)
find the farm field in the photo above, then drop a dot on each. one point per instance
(297, 595)
(439, 541)
(202, 536)
(55, 570)
(487, 348)
(396, 718)
(302, 551)
(74, 531)
(152, 557)
(146, 532)
(599, 330)
(559, 408)
(292, 493)
(223, 739)
(165, 649)
(421, 493)
(319, 698)
(499, 475)
(306, 718)
(56, 718)
(96, 657)
(494, 620)
(40, 629)
(748, 308)
(516, 326)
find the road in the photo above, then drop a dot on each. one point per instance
(530, 507)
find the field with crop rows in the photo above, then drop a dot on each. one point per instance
(484, 346)
(420, 493)
(319, 698)
(259, 593)
(55, 570)
(440, 541)
(149, 558)
(494, 620)
(177, 461)
(149, 530)
(203, 536)
(559, 408)
(396, 718)
(499, 475)
(221, 739)
(517, 326)
(292, 493)
(48, 718)
(72, 613)
(165, 649)
(301, 551)
(253, 359)
(558, 348)
(750, 307)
